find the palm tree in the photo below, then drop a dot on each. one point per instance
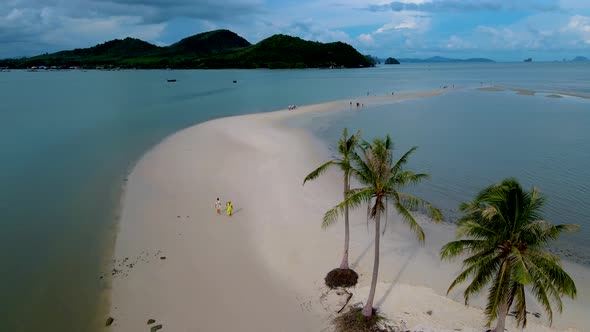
(504, 237)
(382, 179)
(346, 146)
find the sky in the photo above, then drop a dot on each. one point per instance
(503, 30)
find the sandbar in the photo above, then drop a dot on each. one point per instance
(181, 264)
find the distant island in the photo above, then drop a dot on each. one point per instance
(439, 59)
(391, 61)
(209, 50)
(580, 59)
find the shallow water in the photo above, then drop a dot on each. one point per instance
(67, 140)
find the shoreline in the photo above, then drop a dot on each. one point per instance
(258, 162)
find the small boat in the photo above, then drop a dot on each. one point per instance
(235, 81)
(172, 80)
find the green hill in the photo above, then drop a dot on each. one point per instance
(391, 61)
(128, 47)
(282, 51)
(208, 50)
(208, 43)
(111, 52)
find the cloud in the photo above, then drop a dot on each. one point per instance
(398, 30)
(157, 11)
(381, 27)
(579, 26)
(465, 6)
(366, 40)
(455, 42)
(31, 31)
(308, 29)
(29, 27)
(551, 33)
(410, 24)
(75, 31)
(405, 30)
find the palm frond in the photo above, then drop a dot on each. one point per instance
(516, 292)
(353, 200)
(486, 267)
(361, 169)
(318, 171)
(540, 232)
(540, 287)
(415, 203)
(458, 247)
(475, 230)
(520, 272)
(498, 292)
(564, 284)
(505, 221)
(483, 264)
(409, 219)
(403, 160)
(405, 178)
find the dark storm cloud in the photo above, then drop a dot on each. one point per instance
(466, 6)
(156, 11)
(47, 22)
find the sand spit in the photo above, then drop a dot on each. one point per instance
(187, 268)
(526, 92)
(491, 88)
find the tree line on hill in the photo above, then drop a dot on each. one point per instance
(209, 50)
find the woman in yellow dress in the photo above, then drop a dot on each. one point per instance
(229, 209)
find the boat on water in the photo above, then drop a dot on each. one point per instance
(172, 80)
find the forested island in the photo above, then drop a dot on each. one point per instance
(209, 50)
(391, 61)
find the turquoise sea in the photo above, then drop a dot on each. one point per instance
(68, 139)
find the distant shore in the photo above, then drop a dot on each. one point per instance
(182, 265)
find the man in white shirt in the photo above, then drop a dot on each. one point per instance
(218, 206)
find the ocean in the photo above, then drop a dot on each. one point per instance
(68, 140)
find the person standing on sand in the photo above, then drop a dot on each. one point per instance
(230, 209)
(218, 206)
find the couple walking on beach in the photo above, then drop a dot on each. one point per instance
(228, 207)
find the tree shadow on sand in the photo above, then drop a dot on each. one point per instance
(414, 250)
(356, 262)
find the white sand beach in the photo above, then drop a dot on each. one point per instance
(262, 269)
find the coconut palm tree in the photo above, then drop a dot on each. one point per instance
(346, 146)
(504, 236)
(382, 179)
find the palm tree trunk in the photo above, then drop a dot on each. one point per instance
(501, 317)
(368, 309)
(344, 263)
